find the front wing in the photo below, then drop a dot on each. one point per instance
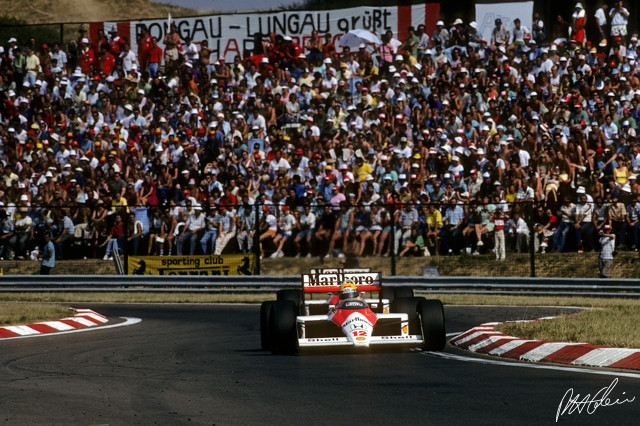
(391, 329)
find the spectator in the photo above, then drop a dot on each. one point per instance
(470, 123)
(605, 259)
(192, 231)
(499, 224)
(601, 20)
(619, 16)
(306, 226)
(227, 229)
(115, 238)
(405, 219)
(414, 244)
(286, 225)
(519, 232)
(48, 255)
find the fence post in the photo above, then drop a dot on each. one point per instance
(392, 242)
(125, 249)
(256, 238)
(532, 236)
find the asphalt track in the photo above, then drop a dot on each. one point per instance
(201, 364)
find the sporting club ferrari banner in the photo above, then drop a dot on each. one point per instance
(231, 35)
(228, 264)
(487, 13)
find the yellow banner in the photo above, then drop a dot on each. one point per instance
(228, 264)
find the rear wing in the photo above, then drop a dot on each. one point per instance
(330, 280)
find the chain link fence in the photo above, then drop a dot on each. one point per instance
(399, 238)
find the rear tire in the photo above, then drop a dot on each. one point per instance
(409, 306)
(266, 311)
(403, 291)
(296, 296)
(431, 315)
(284, 328)
(388, 293)
(392, 293)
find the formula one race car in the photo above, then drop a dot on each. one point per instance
(297, 321)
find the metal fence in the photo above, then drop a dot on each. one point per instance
(269, 284)
(375, 235)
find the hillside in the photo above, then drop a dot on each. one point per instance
(54, 11)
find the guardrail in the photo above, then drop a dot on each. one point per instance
(268, 284)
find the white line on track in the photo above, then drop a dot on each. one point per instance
(522, 364)
(128, 321)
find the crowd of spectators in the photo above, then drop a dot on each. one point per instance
(429, 144)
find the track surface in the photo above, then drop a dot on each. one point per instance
(197, 364)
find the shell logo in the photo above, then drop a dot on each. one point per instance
(405, 329)
(360, 338)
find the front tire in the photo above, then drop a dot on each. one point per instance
(431, 313)
(284, 328)
(266, 311)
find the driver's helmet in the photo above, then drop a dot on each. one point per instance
(349, 290)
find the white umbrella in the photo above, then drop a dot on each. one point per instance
(353, 38)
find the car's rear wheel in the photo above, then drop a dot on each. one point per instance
(392, 293)
(284, 332)
(409, 306)
(266, 310)
(296, 296)
(404, 291)
(431, 313)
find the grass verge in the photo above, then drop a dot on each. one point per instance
(19, 313)
(614, 326)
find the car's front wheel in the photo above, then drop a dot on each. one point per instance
(266, 311)
(431, 313)
(284, 329)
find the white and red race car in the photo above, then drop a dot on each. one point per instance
(298, 321)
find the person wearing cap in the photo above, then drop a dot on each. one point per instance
(579, 21)
(87, 55)
(607, 240)
(441, 35)
(499, 35)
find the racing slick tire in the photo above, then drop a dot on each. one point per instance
(431, 314)
(266, 311)
(391, 293)
(284, 329)
(404, 291)
(296, 296)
